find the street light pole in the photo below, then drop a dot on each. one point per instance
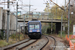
(16, 18)
(68, 17)
(7, 22)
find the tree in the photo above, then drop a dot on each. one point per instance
(72, 16)
(57, 12)
(47, 9)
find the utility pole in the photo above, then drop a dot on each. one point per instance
(56, 9)
(51, 25)
(29, 6)
(61, 23)
(24, 25)
(16, 18)
(7, 22)
(62, 18)
(68, 17)
(29, 9)
(65, 5)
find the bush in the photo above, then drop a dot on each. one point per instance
(44, 29)
(3, 43)
(13, 36)
(2, 34)
(71, 33)
(63, 34)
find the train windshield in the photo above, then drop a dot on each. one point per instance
(34, 26)
(31, 26)
(37, 26)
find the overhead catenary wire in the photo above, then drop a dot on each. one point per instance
(57, 5)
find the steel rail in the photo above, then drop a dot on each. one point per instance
(13, 45)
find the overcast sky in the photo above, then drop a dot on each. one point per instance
(38, 4)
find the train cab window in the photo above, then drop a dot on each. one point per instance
(31, 26)
(37, 26)
(34, 26)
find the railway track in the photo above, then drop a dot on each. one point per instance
(51, 44)
(13, 46)
(39, 45)
(54, 46)
(32, 44)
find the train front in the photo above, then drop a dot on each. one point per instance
(34, 29)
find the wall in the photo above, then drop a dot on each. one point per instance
(5, 19)
(12, 23)
(1, 12)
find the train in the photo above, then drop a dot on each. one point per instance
(34, 29)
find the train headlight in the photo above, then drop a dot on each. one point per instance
(30, 31)
(38, 30)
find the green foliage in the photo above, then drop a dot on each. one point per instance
(13, 36)
(53, 26)
(44, 29)
(63, 34)
(2, 34)
(71, 33)
(3, 43)
(47, 9)
(57, 12)
(12, 40)
(47, 29)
